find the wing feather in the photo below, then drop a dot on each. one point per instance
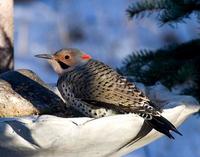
(97, 82)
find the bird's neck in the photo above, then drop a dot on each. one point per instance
(64, 71)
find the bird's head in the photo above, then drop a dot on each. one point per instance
(63, 59)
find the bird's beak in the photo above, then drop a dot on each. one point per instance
(45, 56)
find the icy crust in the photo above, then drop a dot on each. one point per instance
(50, 136)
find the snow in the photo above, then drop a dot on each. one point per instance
(102, 29)
(183, 146)
(24, 136)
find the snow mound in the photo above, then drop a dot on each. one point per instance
(50, 136)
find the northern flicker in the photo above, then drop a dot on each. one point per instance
(96, 90)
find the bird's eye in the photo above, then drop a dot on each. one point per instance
(67, 57)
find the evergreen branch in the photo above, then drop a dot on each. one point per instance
(177, 11)
(168, 10)
(171, 66)
(140, 9)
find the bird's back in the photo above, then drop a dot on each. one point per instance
(97, 82)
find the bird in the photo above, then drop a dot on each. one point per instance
(97, 90)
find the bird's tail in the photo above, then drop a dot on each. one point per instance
(162, 125)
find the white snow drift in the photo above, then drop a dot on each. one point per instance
(51, 136)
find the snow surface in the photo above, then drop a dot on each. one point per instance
(51, 136)
(102, 29)
(187, 145)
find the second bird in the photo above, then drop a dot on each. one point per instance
(96, 90)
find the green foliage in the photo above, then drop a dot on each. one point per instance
(171, 66)
(168, 10)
